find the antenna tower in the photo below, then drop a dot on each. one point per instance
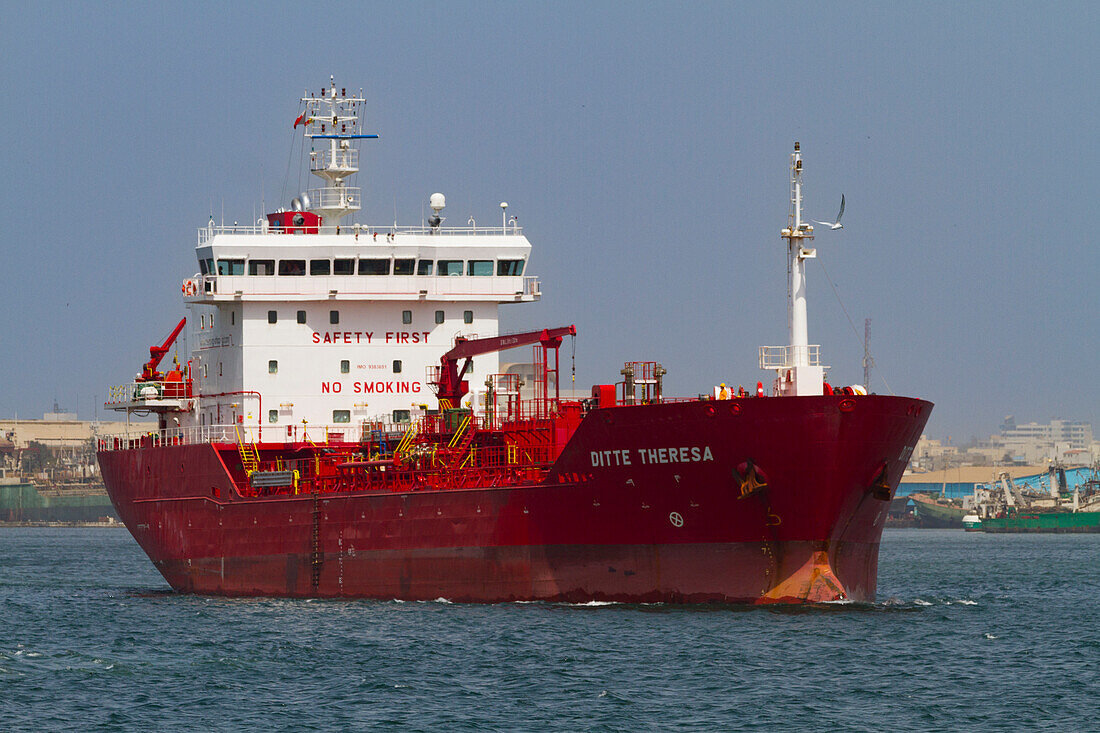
(868, 362)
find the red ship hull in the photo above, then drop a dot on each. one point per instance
(742, 501)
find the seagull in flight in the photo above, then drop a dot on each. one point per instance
(834, 224)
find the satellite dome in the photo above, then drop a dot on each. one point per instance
(437, 201)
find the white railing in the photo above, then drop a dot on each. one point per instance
(394, 287)
(784, 357)
(347, 159)
(135, 391)
(334, 197)
(139, 436)
(386, 234)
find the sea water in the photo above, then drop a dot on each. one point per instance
(971, 631)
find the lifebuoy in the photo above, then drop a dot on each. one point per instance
(189, 288)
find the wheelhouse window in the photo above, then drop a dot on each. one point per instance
(401, 416)
(450, 267)
(343, 266)
(230, 267)
(320, 267)
(509, 267)
(480, 268)
(209, 266)
(292, 267)
(261, 267)
(202, 267)
(341, 416)
(374, 267)
(403, 266)
(424, 267)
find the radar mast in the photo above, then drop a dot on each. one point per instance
(333, 118)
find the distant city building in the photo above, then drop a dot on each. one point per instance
(1068, 441)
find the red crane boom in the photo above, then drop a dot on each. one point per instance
(149, 371)
(452, 387)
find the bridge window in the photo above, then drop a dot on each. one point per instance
(292, 267)
(230, 267)
(450, 267)
(439, 316)
(401, 416)
(341, 415)
(509, 267)
(273, 367)
(334, 317)
(467, 316)
(319, 267)
(343, 267)
(273, 416)
(396, 366)
(374, 267)
(345, 366)
(424, 267)
(406, 317)
(480, 268)
(209, 266)
(301, 316)
(403, 266)
(272, 316)
(202, 267)
(261, 267)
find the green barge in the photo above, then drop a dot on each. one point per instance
(24, 502)
(1046, 522)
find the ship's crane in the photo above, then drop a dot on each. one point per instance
(451, 387)
(149, 371)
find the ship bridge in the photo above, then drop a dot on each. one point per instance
(363, 263)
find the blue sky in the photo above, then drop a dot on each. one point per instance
(644, 149)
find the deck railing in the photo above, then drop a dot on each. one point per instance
(388, 231)
(137, 391)
(784, 357)
(141, 436)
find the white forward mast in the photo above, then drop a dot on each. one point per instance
(798, 366)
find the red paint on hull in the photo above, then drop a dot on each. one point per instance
(657, 531)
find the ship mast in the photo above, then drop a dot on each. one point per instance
(333, 118)
(798, 366)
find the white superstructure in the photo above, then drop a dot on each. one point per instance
(305, 318)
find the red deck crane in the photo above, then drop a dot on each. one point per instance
(450, 385)
(149, 371)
